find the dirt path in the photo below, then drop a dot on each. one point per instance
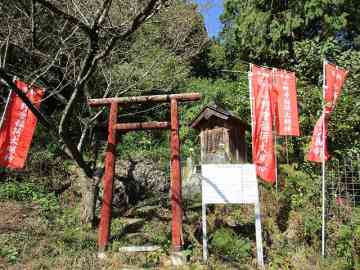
(16, 216)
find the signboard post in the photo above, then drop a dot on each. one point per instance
(231, 184)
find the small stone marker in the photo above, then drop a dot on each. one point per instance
(139, 248)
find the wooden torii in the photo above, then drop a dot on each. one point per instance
(175, 174)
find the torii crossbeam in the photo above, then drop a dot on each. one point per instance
(113, 127)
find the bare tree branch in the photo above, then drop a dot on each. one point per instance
(152, 7)
(64, 15)
(46, 69)
(32, 23)
(81, 14)
(101, 14)
(88, 67)
(6, 51)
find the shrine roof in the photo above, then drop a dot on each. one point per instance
(213, 111)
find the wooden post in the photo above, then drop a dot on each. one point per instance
(105, 214)
(176, 199)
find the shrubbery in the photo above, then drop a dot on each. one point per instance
(30, 192)
(227, 243)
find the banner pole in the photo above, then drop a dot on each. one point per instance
(286, 149)
(251, 104)
(275, 140)
(276, 164)
(323, 167)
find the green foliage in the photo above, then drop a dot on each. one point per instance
(157, 62)
(142, 143)
(9, 253)
(344, 246)
(301, 189)
(227, 243)
(157, 69)
(312, 223)
(31, 193)
(344, 236)
(263, 31)
(210, 62)
(159, 234)
(152, 259)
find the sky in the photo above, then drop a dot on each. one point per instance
(211, 10)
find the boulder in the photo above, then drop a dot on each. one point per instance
(137, 179)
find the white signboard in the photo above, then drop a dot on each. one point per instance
(231, 183)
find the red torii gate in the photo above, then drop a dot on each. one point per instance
(175, 186)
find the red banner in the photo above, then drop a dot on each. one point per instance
(284, 87)
(262, 137)
(316, 147)
(334, 80)
(18, 128)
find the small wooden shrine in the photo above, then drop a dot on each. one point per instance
(222, 135)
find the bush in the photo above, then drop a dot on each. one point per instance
(30, 192)
(227, 243)
(312, 223)
(344, 246)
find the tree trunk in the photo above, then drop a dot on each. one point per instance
(89, 188)
(88, 202)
